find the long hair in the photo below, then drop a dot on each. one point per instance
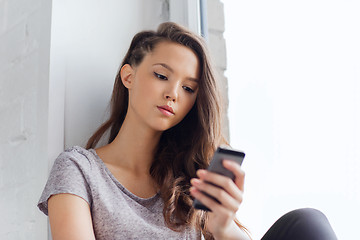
(184, 148)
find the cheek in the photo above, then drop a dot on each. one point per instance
(145, 88)
(190, 103)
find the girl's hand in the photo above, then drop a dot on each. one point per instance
(221, 218)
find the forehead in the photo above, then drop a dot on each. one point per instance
(166, 45)
(177, 56)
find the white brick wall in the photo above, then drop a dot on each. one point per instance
(217, 48)
(24, 69)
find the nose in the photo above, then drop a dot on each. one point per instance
(170, 98)
(171, 94)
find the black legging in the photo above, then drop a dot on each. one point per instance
(301, 224)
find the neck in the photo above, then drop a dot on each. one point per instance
(134, 147)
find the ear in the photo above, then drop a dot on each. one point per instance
(127, 74)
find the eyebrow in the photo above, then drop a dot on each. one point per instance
(171, 70)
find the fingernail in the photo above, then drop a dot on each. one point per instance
(195, 181)
(192, 190)
(201, 172)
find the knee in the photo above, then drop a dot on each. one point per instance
(308, 214)
(311, 222)
(307, 217)
(302, 224)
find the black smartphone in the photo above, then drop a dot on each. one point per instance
(216, 166)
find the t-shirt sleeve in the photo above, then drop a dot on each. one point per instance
(68, 175)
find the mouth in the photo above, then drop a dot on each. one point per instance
(166, 110)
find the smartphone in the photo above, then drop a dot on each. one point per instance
(216, 166)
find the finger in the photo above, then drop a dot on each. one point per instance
(207, 201)
(221, 195)
(222, 181)
(238, 172)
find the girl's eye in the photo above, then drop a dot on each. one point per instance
(162, 77)
(190, 90)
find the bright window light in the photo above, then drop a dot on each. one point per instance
(294, 93)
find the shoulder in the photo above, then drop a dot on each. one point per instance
(78, 153)
(71, 173)
(76, 156)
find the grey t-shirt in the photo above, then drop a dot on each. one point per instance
(116, 212)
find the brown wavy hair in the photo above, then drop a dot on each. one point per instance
(184, 148)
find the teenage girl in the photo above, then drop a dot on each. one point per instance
(164, 126)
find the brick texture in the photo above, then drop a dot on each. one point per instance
(217, 48)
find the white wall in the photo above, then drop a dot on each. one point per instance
(294, 87)
(24, 74)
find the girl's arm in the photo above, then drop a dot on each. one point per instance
(70, 217)
(221, 221)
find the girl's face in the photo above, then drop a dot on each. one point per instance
(163, 87)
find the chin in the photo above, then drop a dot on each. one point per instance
(161, 127)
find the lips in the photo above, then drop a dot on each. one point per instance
(167, 110)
